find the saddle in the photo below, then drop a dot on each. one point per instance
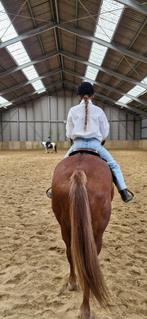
(84, 150)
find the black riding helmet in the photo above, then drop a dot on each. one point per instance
(86, 88)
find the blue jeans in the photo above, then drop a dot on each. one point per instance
(104, 154)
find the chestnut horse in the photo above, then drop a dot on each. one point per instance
(82, 191)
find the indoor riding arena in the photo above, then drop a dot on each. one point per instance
(47, 49)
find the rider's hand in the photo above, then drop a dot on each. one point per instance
(103, 142)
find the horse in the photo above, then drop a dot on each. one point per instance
(50, 147)
(82, 191)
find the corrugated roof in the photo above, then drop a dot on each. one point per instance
(58, 37)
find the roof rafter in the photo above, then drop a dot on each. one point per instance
(67, 71)
(23, 84)
(85, 35)
(135, 5)
(110, 100)
(20, 98)
(28, 34)
(134, 110)
(108, 87)
(77, 59)
(79, 32)
(105, 70)
(55, 15)
(32, 62)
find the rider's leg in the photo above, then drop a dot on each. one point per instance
(117, 174)
(115, 168)
(68, 152)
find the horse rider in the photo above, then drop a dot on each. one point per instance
(88, 127)
(48, 142)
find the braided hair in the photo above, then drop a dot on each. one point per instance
(85, 91)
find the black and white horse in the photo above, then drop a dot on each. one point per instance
(49, 147)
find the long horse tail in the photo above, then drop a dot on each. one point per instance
(82, 240)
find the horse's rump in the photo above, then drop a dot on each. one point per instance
(99, 183)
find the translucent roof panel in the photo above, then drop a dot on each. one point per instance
(4, 102)
(124, 99)
(37, 85)
(30, 72)
(17, 50)
(18, 53)
(144, 80)
(7, 31)
(109, 16)
(91, 73)
(136, 92)
(97, 54)
(107, 23)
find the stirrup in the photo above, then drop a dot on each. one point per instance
(49, 193)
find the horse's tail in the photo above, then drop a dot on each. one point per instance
(55, 148)
(82, 239)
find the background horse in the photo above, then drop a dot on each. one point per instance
(51, 147)
(82, 191)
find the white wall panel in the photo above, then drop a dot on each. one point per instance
(45, 117)
(144, 128)
(14, 131)
(6, 126)
(130, 130)
(137, 129)
(61, 117)
(114, 130)
(23, 131)
(30, 111)
(6, 131)
(31, 131)
(122, 131)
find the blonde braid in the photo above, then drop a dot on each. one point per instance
(86, 97)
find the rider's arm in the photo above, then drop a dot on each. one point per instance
(104, 125)
(69, 125)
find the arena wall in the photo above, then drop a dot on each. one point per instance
(36, 120)
(36, 145)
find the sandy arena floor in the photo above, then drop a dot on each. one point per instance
(33, 265)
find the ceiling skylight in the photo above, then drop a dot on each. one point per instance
(3, 102)
(136, 92)
(107, 22)
(17, 50)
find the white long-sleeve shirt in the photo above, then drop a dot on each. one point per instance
(97, 123)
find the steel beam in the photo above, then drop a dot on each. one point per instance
(20, 98)
(110, 45)
(133, 109)
(135, 5)
(57, 71)
(79, 32)
(105, 70)
(23, 84)
(57, 34)
(113, 102)
(28, 34)
(107, 87)
(25, 65)
(77, 59)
